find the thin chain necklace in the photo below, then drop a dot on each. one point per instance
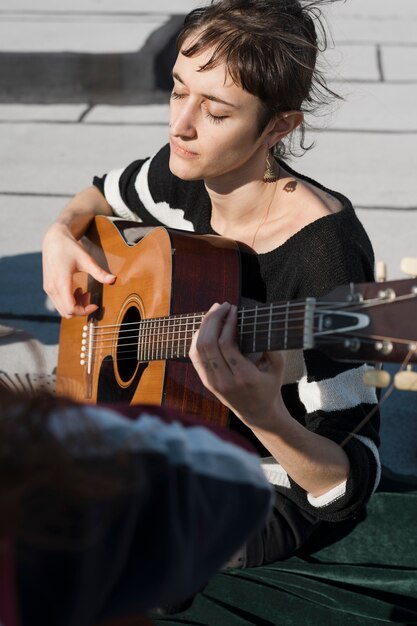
(265, 216)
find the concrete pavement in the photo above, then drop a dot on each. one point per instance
(57, 131)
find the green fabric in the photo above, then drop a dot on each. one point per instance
(355, 574)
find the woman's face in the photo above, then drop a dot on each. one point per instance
(213, 124)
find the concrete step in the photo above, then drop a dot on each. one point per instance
(51, 60)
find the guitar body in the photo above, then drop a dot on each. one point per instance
(165, 273)
(134, 347)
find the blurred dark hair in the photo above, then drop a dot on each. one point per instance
(270, 49)
(46, 479)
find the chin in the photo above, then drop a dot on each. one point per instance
(184, 170)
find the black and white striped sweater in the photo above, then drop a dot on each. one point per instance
(329, 398)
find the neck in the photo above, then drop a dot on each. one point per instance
(242, 206)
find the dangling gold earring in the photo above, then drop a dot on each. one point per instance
(269, 174)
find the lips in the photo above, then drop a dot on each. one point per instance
(181, 151)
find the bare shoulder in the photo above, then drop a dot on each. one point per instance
(299, 203)
(307, 200)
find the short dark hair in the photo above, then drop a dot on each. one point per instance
(270, 49)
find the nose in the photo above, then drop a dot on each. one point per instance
(182, 120)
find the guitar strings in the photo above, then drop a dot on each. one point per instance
(181, 338)
(160, 341)
(159, 352)
(165, 355)
(265, 310)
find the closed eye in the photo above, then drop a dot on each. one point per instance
(216, 119)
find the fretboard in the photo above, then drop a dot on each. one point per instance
(283, 326)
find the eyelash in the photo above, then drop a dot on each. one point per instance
(215, 119)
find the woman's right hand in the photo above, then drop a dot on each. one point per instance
(63, 256)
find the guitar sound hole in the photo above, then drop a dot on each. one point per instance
(127, 344)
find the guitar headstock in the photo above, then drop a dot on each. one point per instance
(370, 322)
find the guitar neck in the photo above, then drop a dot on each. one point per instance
(263, 327)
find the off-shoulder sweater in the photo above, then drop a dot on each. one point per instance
(329, 398)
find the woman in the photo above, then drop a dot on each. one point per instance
(245, 72)
(109, 512)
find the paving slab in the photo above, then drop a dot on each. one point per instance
(87, 59)
(85, 33)
(374, 9)
(400, 62)
(398, 30)
(352, 62)
(30, 350)
(29, 330)
(98, 6)
(374, 170)
(28, 219)
(393, 236)
(42, 112)
(68, 155)
(140, 114)
(374, 107)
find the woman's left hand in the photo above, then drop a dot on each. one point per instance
(251, 390)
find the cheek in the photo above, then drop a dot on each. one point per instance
(234, 146)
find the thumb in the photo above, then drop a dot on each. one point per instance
(276, 360)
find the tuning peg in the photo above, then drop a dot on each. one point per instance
(377, 378)
(406, 381)
(409, 266)
(381, 272)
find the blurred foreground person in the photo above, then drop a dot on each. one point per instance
(106, 513)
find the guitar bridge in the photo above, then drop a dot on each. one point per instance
(86, 356)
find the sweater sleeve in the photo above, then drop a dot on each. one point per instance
(147, 191)
(334, 399)
(193, 499)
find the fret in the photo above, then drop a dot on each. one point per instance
(146, 342)
(162, 349)
(139, 350)
(178, 338)
(152, 340)
(185, 337)
(254, 329)
(286, 326)
(166, 337)
(175, 338)
(160, 329)
(194, 329)
(158, 355)
(169, 338)
(269, 328)
(241, 330)
(143, 341)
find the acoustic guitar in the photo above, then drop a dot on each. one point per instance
(134, 347)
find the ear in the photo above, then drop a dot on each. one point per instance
(282, 125)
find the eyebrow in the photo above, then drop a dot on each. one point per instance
(207, 96)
